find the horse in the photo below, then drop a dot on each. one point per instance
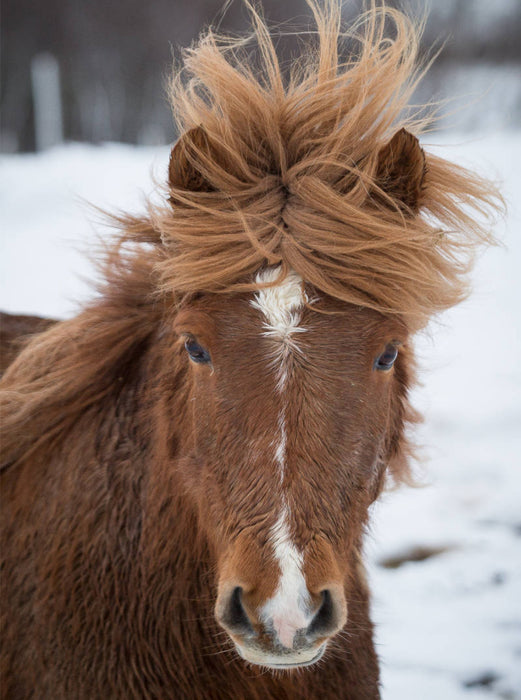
(188, 464)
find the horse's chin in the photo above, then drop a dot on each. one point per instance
(281, 662)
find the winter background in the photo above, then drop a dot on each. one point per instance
(444, 559)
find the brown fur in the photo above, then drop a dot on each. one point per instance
(14, 331)
(138, 485)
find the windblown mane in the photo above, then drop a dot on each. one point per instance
(80, 362)
(289, 171)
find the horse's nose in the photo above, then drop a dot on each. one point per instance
(232, 615)
(287, 628)
(329, 618)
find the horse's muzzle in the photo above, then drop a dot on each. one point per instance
(286, 641)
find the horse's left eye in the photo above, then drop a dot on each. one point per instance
(387, 359)
(196, 352)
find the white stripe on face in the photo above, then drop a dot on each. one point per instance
(280, 445)
(281, 306)
(288, 610)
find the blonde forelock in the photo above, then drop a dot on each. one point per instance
(290, 166)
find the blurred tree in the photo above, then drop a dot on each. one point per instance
(115, 57)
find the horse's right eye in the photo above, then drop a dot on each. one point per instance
(386, 360)
(196, 352)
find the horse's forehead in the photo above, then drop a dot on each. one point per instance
(280, 304)
(287, 308)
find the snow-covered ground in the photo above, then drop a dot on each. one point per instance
(448, 627)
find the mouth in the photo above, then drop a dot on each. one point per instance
(276, 663)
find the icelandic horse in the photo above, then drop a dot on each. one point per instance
(187, 465)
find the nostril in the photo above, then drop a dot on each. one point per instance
(326, 620)
(234, 616)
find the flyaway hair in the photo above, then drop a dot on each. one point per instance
(319, 171)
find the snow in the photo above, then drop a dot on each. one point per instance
(449, 626)
(453, 618)
(48, 220)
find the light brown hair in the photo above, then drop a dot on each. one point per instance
(304, 171)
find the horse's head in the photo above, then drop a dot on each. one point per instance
(302, 259)
(297, 408)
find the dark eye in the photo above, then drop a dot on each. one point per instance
(386, 360)
(197, 352)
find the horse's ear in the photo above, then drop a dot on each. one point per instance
(183, 170)
(401, 169)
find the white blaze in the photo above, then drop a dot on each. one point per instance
(287, 610)
(282, 304)
(281, 307)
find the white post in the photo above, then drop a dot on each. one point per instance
(48, 122)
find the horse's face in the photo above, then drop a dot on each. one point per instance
(295, 415)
